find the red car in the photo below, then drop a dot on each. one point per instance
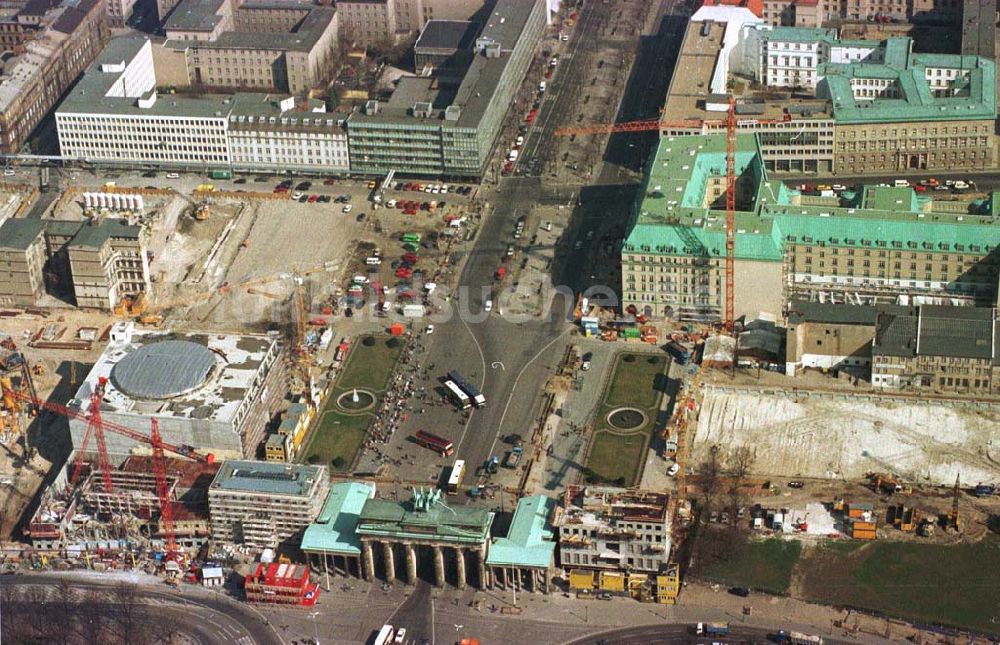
(329, 182)
(410, 257)
(409, 211)
(403, 272)
(313, 198)
(507, 168)
(920, 188)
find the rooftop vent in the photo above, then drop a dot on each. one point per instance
(422, 109)
(371, 107)
(452, 113)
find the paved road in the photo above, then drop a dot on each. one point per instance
(201, 617)
(667, 634)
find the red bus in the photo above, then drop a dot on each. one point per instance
(439, 445)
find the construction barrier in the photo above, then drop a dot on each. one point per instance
(581, 579)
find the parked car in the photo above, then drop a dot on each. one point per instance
(348, 207)
(796, 484)
(742, 592)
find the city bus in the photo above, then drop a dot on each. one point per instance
(384, 635)
(471, 390)
(438, 444)
(457, 474)
(460, 398)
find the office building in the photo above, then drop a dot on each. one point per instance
(381, 22)
(44, 53)
(871, 246)
(116, 115)
(939, 349)
(259, 45)
(214, 392)
(98, 262)
(876, 108)
(263, 505)
(828, 336)
(613, 529)
(448, 124)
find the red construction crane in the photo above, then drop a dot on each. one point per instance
(730, 125)
(96, 427)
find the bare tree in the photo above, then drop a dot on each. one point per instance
(740, 462)
(64, 603)
(710, 471)
(91, 617)
(125, 612)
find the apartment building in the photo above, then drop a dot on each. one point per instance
(115, 115)
(263, 504)
(941, 349)
(119, 11)
(940, 11)
(872, 246)
(437, 126)
(828, 336)
(98, 262)
(281, 46)
(794, 13)
(53, 43)
(613, 529)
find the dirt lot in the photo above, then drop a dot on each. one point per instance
(829, 435)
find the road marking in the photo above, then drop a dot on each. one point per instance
(497, 364)
(513, 389)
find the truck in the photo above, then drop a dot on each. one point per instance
(984, 490)
(711, 629)
(798, 638)
(43, 179)
(413, 311)
(492, 465)
(513, 457)
(220, 174)
(679, 352)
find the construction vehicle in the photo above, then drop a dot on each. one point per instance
(513, 457)
(711, 629)
(888, 484)
(984, 490)
(131, 306)
(201, 212)
(952, 521)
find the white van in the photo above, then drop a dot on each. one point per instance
(541, 86)
(512, 155)
(488, 307)
(373, 261)
(359, 279)
(901, 183)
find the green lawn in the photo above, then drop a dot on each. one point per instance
(336, 433)
(614, 457)
(369, 367)
(633, 383)
(765, 565)
(949, 584)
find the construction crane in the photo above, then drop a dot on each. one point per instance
(730, 125)
(96, 427)
(953, 520)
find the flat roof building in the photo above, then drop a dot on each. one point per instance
(434, 126)
(874, 245)
(264, 505)
(116, 115)
(214, 392)
(943, 349)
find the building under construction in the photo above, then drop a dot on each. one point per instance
(614, 529)
(72, 520)
(211, 392)
(17, 406)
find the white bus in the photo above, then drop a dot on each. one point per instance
(457, 474)
(460, 398)
(384, 635)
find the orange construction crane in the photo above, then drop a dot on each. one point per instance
(730, 124)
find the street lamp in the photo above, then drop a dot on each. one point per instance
(315, 628)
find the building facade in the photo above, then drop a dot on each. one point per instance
(133, 124)
(870, 247)
(64, 40)
(285, 47)
(99, 262)
(431, 127)
(940, 349)
(367, 22)
(263, 505)
(614, 529)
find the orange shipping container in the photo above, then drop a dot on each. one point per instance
(864, 526)
(397, 330)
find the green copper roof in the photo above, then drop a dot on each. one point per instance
(973, 97)
(769, 216)
(529, 542)
(425, 517)
(334, 529)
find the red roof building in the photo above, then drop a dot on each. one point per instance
(281, 583)
(755, 6)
